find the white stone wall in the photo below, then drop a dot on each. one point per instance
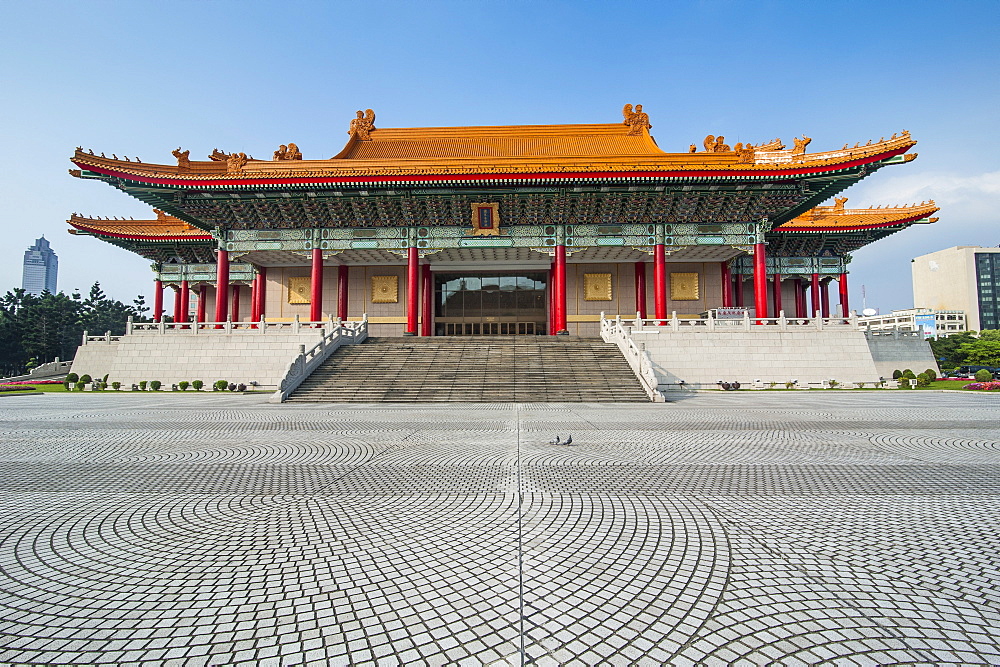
(809, 356)
(901, 352)
(237, 357)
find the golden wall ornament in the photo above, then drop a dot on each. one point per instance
(597, 287)
(637, 120)
(300, 289)
(486, 219)
(684, 287)
(385, 289)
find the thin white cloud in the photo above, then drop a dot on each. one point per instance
(971, 197)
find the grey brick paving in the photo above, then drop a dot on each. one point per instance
(750, 529)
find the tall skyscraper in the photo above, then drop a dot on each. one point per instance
(40, 268)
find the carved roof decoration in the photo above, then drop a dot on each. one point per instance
(836, 218)
(553, 152)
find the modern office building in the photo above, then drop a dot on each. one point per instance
(960, 278)
(40, 268)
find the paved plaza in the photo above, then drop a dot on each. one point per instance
(784, 528)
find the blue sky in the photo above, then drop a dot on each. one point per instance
(142, 78)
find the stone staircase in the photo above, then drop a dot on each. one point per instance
(488, 369)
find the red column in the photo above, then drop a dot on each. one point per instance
(253, 299)
(760, 280)
(738, 301)
(412, 291)
(316, 285)
(824, 298)
(185, 295)
(427, 287)
(844, 308)
(552, 298)
(261, 291)
(659, 284)
(235, 312)
(222, 287)
(727, 285)
(342, 278)
(202, 303)
(560, 293)
(177, 304)
(800, 298)
(157, 300)
(814, 295)
(776, 294)
(640, 289)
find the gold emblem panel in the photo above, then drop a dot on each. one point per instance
(684, 287)
(385, 289)
(597, 287)
(300, 289)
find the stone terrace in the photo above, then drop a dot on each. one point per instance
(747, 528)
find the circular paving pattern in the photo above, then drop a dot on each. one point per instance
(750, 528)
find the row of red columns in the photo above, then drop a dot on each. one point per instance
(819, 297)
(420, 278)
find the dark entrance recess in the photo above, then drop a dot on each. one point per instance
(490, 303)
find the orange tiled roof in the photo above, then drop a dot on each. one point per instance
(514, 149)
(838, 218)
(163, 228)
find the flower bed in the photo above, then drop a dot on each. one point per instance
(23, 382)
(984, 386)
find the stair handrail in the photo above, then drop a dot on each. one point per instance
(617, 332)
(306, 361)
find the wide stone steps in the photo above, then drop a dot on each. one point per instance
(484, 368)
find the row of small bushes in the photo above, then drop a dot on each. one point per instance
(8, 387)
(923, 379)
(80, 382)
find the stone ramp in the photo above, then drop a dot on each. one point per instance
(479, 369)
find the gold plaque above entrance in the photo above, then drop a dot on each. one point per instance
(597, 287)
(385, 289)
(299, 289)
(486, 219)
(684, 287)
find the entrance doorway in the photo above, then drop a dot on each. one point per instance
(490, 303)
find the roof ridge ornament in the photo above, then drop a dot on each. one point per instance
(637, 120)
(362, 126)
(183, 161)
(289, 152)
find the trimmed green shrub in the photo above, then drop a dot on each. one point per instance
(116, 385)
(183, 384)
(197, 384)
(142, 385)
(104, 380)
(86, 378)
(931, 374)
(983, 375)
(909, 375)
(896, 374)
(221, 385)
(72, 378)
(923, 380)
(80, 385)
(155, 385)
